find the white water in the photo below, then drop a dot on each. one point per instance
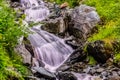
(35, 10)
(48, 48)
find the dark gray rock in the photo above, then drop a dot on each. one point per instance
(99, 51)
(77, 56)
(57, 22)
(64, 67)
(66, 76)
(41, 72)
(55, 26)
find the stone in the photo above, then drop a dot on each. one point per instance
(66, 76)
(114, 78)
(119, 72)
(26, 55)
(43, 72)
(55, 26)
(77, 56)
(83, 20)
(104, 73)
(64, 5)
(114, 73)
(64, 67)
(99, 51)
(99, 70)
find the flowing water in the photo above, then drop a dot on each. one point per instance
(48, 48)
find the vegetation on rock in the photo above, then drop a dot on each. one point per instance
(109, 27)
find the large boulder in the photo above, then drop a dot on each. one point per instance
(100, 51)
(83, 21)
(58, 21)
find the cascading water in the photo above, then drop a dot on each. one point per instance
(48, 48)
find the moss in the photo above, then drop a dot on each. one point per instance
(117, 58)
(92, 61)
(10, 32)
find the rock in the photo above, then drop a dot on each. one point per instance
(99, 70)
(55, 26)
(64, 67)
(114, 73)
(77, 56)
(26, 55)
(114, 78)
(83, 20)
(73, 44)
(66, 76)
(119, 73)
(99, 51)
(64, 5)
(15, 4)
(15, 0)
(44, 73)
(104, 73)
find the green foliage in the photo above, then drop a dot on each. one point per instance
(91, 60)
(109, 13)
(117, 57)
(10, 31)
(72, 3)
(109, 30)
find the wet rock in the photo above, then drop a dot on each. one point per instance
(78, 55)
(41, 72)
(66, 76)
(83, 21)
(99, 51)
(64, 67)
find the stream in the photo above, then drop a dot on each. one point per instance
(49, 49)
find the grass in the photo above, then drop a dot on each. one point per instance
(10, 63)
(109, 31)
(109, 14)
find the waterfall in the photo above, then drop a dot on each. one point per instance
(48, 48)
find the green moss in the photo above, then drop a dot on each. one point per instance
(117, 58)
(109, 14)
(92, 61)
(10, 32)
